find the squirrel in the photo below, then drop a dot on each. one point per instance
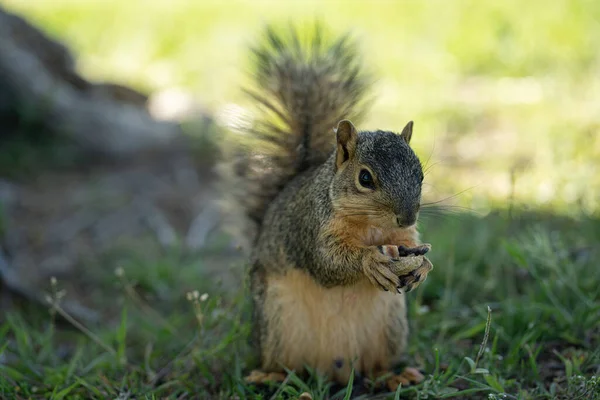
(330, 216)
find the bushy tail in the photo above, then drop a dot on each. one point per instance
(302, 87)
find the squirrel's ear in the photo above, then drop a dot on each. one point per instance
(407, 132)
(346, 142)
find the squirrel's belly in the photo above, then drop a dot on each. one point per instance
(330, 330)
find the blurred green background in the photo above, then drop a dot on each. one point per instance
(505, 95)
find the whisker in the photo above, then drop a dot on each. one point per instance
(427, 170)
(448, 210)
(447, 198)
(357, 215)
(440, 213)
(381, 203)
(430, 154)
(443, 217)
(365, 209)
(361, 210)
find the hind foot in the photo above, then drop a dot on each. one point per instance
(260, 377)
(409, 376)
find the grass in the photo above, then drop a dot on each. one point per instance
(505, 98)
(528, 284)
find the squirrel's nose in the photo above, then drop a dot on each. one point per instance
(404, 221)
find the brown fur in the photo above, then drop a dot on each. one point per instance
(363, 232)
(320, 326)
(358, 325)
(333, 315)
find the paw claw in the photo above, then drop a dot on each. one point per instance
(403, 251)
(381, 276)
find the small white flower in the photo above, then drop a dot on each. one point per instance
(119, 272)
(204, 297)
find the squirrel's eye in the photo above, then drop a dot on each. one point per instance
(366, 180)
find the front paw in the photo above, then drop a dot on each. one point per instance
(378, 272)
(414, 278)
(403, 260)
(409, 264)
(395, 252)
(420, 250)
(392, 268)
(377, 268)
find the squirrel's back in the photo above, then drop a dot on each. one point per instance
(303, 85)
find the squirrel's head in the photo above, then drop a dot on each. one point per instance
(377, 177)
